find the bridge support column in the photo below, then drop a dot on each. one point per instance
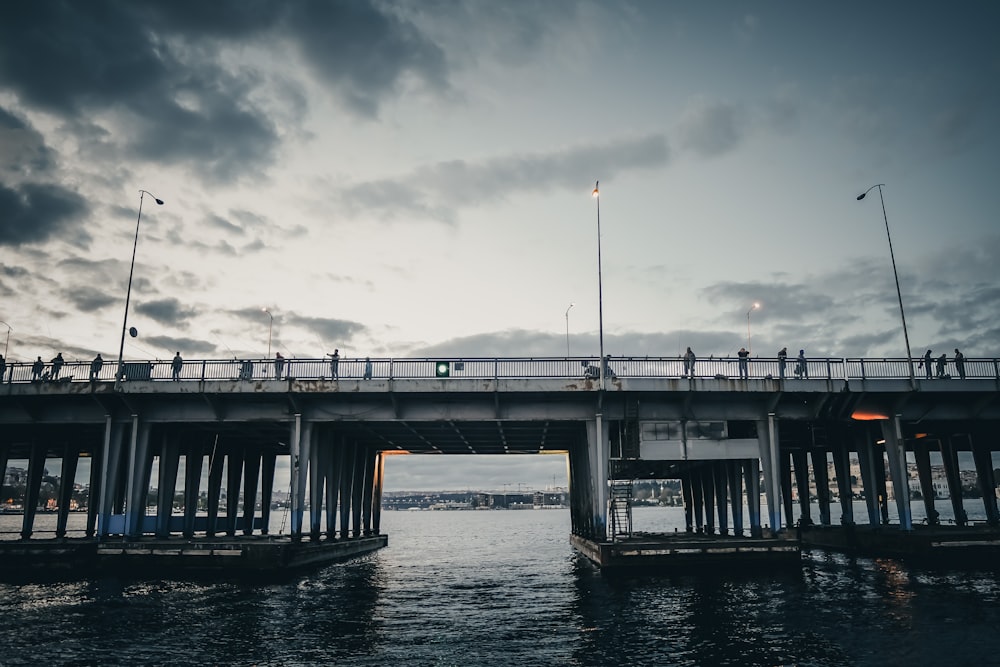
(733, 470)
(71, 455)
(767, 442)
(319, 442)
(234, 474)
(697, 501)
(358, 488)
(170, 454)
(721, 495)
(866, 461)
(377, 498)
(686, 494)
(215, 470)
(751, 476)
(708, 496)
(921, 454)
(801, 462)
(346, 488)
(949, 458)
(333, 454)
(114, 435)
(36, 468)
(193, 460)
(822, 476)
(599, 451)
(371, 460)
(251, 471)
(94, 504)
(140, 465)
(895, 447)
(300, 465)
(268, 463)
(787, 502)
(983, 458)
(842, 469)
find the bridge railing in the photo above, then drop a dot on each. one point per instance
(500, 368)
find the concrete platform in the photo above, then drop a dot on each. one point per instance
(684, 551)
(936, 545)
(225, 556)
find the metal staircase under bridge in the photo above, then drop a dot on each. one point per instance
(627, 439)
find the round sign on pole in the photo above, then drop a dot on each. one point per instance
(133, 332)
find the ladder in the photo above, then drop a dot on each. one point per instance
(621, 508)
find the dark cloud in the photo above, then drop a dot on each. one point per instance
(188, 347)
(22, 149)
(332, 332)
(88, 299)
(223, 224)
(167, 311)
(35, 212)
(436, 190)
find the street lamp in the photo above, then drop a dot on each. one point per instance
(600, 289)
(899, 295)
(7, 342)
(567, 329)
(269, 329)
(128, 293)
(752, 308)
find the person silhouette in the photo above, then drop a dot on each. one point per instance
(335, 365)
(959, 364)
(782, 360)
(95, 367)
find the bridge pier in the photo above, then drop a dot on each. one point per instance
(842, 469)
(895, 449)
(922, 457)
(772, 466)
(949, 458)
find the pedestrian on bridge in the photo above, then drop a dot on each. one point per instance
(57, 364)
(942, 361)
(279, 365)
(3, 367)
(959, 364)
(335, 365)
(782, 359)
(926, 364)
(744, 363)
(802, 368)
(689, 359)
(368, 369)
(95, 367)
(37, 368)
(176, 365)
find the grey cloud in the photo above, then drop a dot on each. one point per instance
(166, 311)
(438, 189)
(711, 129)
(331, 331)
(89, 299)
(22, 148)
(34, 212)
(223, 224)
(186, 346)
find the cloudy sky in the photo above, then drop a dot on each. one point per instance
(413, 178)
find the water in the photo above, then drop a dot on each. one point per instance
(505, 588)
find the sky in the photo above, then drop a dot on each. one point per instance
(414, 178)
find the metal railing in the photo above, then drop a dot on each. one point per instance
(579, 368)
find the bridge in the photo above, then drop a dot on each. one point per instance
(729, 440)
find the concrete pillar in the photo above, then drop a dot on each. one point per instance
(70, 457)
(140, 468)
(251, 471)
(170, 455)
(842, 469)
(983, 458)
(599, 450)
(369, 492)
(216, 463)
(114, 434)
(234, 474)
(377, 498)
(822, 477)
(331, 462)
(96, 468)
(346, 488)
(697, 501)
(949, 457)
(317, 480)
(300, 454)
(801, 461)
(708, 496)
(358, 490)
(734, 484)
(767, 442)
(268, 463)
(687, 495)
(895, 448)
(786, 488)
(193, 461)
(921, 454)
(751, 477)
(36, 468)
(866, 461)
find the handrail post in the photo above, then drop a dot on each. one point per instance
(203, 362)
(390, 369)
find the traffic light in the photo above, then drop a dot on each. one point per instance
(442, 369)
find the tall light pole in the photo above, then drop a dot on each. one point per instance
(600, 288)
(270, 328)
(128, 293)
(754, 307)
(567, 329)
(7, 342)
(899, 295)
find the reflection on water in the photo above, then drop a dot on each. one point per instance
(505, 588)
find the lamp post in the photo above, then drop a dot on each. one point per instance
(128, 293)
(600, 289)
(754, 307)
(269, 329)
(899, 295)
(567, 329)
(7, 342)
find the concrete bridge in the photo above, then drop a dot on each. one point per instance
(647, 418)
